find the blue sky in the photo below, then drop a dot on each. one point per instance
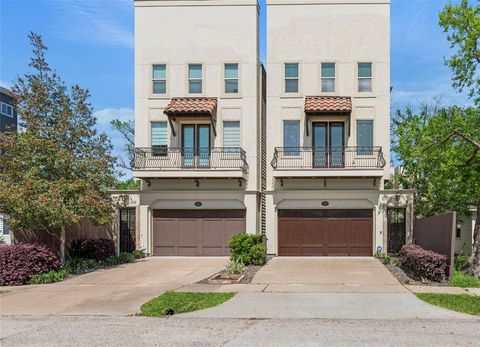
(91, 43)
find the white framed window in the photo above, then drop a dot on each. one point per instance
(159, 78)
(328, 77)
(231, 136)
(159, 139)
(365, 137)
(231, 78)
(195, 78)
(7, 109)
(291, 77)
(291, 137)
(364, 77)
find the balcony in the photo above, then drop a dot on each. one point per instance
(328, 162)
(183, 162)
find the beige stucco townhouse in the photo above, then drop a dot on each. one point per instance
(328, 121)
(198, 124)
(308, 171)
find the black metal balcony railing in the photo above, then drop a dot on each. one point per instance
(207, 158)
(328, 158)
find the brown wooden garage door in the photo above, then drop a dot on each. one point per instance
(325, 232)
(195, 232)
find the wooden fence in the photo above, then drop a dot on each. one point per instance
(437, 233)
(82, 230)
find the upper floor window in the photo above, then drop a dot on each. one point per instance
(231, 78)
(291, 137)
(364, 77)
(159, 78)
(231, 136)
(365, 137)
(328, 77)
(291, 78)
(7, 109)
(195, 78)
(159, 138)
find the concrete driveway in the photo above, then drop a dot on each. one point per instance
(116, 291)
(326, 288)
(327, 275)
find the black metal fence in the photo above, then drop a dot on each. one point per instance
(328, 157)
(163, 157)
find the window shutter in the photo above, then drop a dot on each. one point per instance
(231, 134)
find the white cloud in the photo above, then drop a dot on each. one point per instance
(106, 115)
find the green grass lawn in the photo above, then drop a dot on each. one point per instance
(457, 302)
(464, 281)
(182, 302)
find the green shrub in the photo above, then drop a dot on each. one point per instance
(139, 254)
(80, 265)
(248, 249)
(384, 258)
(461, 262)
(235, 267)
(259, 254)
(50, 277)
(122, 258)
(464, 281)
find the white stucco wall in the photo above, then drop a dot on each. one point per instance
(178, 33)
(210, 32)
(311, 32)
(464, 243)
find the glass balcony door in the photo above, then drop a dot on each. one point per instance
(196, 145)
(328, 144)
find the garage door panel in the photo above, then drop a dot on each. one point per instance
(195, 232)
(325, 232)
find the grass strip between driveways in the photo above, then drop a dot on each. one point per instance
(457, 302)
(179, 302)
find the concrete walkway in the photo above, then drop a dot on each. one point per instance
(384, 306)
(117, 291)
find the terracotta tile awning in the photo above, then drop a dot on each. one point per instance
(191, 106)
(328, 104)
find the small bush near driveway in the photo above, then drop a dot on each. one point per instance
(98, 249)
(423, 263)
(464, 281)
(177, 302)
(457, 302)
(248, 249)
(20, 262)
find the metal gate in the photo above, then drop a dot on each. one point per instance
(127, 229)
(396, 232)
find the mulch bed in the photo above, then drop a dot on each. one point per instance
(249, 274)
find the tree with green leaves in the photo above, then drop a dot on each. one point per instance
(127, 130)
(461, 22)
(438, 149)
(58, 170)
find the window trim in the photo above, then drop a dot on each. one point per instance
(151, 94)
(9, 106)
(328, 78)
(224, 79)
(364, 78)
(284, 87)
(202, 79)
